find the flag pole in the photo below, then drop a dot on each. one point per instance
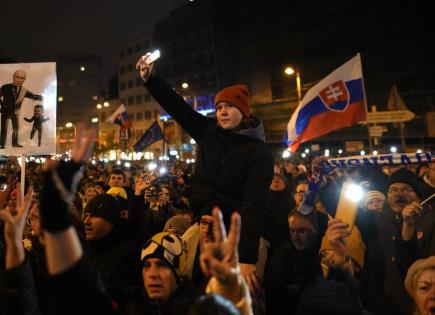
(365, 106)
(163, 143)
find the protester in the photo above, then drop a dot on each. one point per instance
(234, 167)
(420, 284)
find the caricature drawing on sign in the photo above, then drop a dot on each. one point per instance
(11, 98)
(37, 119)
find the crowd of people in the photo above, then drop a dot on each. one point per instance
(239, 232)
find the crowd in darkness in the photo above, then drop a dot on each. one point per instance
(239, 232)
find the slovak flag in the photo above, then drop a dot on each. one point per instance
(335, 102)
(120, 117)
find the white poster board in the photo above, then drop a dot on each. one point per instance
(25, 90)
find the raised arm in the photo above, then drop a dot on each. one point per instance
(191, 121)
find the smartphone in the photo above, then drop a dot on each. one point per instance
(150, 58)
(348, 203)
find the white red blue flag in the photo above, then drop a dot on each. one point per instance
(335, 102)
(120, 117)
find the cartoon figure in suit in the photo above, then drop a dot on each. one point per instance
(37, 119)
(11, 99)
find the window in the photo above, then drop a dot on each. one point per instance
(156, 113)
(137, 48)
(130, 67)
(129, 51)
(130, 100)
(122, 100)
(122, 53)
(121, 69)
(139, 99)
(146, 97)
(139, 116)
(131, 117)
(148, 115)
(122, 86)
(130, 84)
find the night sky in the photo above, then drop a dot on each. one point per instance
(36, 31)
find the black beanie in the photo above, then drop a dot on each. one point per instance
(104, 206)
(405, 176)
(330, 297)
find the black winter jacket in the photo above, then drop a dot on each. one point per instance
(233, 170)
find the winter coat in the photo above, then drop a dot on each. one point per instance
(178, 304)
(116, 258)
(233, 169)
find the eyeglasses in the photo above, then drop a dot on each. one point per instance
(395, 190)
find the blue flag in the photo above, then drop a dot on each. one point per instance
(151, 135)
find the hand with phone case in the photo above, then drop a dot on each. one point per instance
(145, 64)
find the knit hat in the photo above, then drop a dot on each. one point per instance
(405, 176)
(334, 296)
(168, 247)
(117, 191)
(415, 271)
(104, 206)
(238, 95)
(372, 195)
(179, 223)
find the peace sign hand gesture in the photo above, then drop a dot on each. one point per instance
(14, 228)
(220, 258)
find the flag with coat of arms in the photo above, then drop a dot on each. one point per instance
(151, 135)
(120, 117)
(337, 101)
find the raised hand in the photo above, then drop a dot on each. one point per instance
(144, 68)
(14, 228)
(220, 257)
(337, 233)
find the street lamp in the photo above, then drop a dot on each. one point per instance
(185, 86)
(99, 106)
(106, 104)
(69, 124)
(290, 71)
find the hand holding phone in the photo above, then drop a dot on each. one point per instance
(347, 207)
(145, 64)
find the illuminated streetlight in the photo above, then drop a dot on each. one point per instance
(327, 152)
(419, 151)
(106, 104)
(307, 151)
(95, 119)
(185, 85)
(363, 152)
(375, 152)
(99, 106)
(192, 141)
(69, 124)
(340, 151)
(393, 149)
(290, 71)
(82, 68)
(286, 154)
(60, 99)
(303, 155)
